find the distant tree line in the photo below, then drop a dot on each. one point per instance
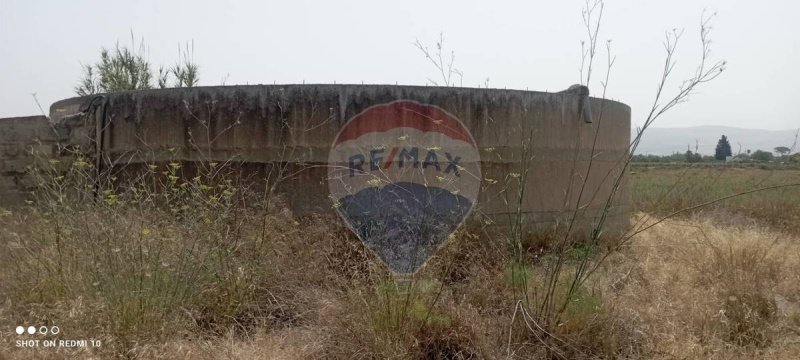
(692, 157)
(722, 152)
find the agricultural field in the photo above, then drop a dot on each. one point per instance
(661, 190)
(188, 274)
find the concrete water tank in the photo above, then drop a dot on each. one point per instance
(295, 125)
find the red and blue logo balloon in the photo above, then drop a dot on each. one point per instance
(404, 176)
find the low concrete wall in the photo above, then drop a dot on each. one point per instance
(296, 124)
(20, 137)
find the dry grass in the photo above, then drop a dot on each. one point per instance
(685, 289)
(703, 290)
(216, 280)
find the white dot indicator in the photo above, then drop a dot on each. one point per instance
(31, 330)
(43, 330)
(20, 330)
(55, 330)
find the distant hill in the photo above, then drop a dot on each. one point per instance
(665, 141)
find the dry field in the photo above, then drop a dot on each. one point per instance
(189, 274)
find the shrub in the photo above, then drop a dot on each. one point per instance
(123, 69)
(760, 155)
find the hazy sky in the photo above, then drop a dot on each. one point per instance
(516, 44)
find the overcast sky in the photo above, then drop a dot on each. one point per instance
(516, 44)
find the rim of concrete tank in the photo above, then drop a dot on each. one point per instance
(338, 87)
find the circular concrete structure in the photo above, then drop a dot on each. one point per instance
(295, 125)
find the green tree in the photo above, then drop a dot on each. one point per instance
(782, 150)
(760, 155)
(723, 149)
(692, 157)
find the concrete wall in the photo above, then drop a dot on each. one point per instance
(260, 125)
(20, 137)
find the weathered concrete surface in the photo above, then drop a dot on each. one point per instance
(296, 124)
(20, 139)
(261, 126)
